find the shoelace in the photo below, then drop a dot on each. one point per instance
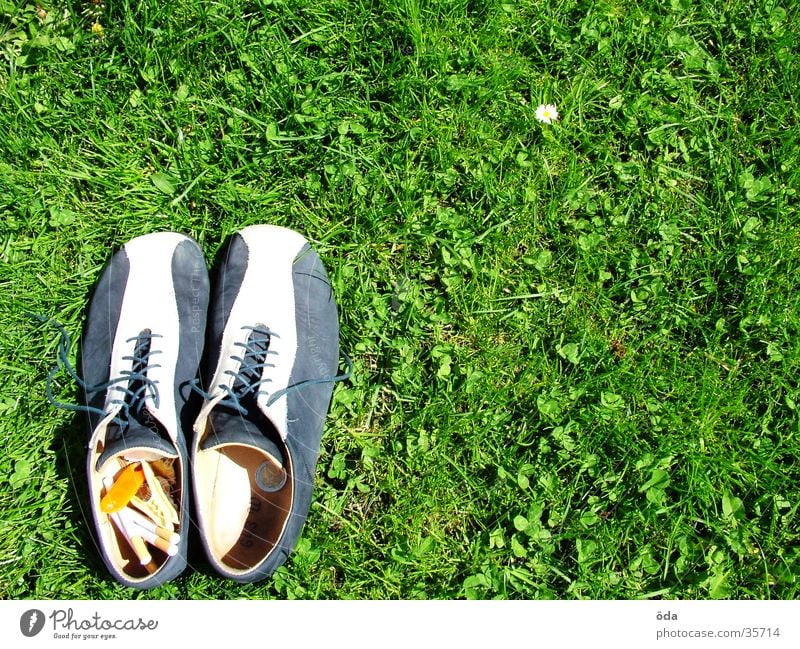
(136, 392)
(246, 380)
(136, 383)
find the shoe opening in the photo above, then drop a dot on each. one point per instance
(243, 481)
(138, 510)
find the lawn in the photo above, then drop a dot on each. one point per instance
(575, 345)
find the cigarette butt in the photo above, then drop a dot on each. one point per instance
(137, 543)
(135, 528)
(172, 537)
(150, 526)
(151, 567)
(164, 546)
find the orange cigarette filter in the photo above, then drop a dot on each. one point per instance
(124, 488)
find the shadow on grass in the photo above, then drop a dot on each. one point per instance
(70, 452)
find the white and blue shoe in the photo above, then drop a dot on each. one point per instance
(141, 351)
(273, 353)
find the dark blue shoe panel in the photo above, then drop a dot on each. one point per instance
(101, 328)
(318, 356)
(191, 284)
(226, 289)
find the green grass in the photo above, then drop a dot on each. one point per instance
(576, 346)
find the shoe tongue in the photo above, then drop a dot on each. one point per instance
(137, 442)
(229, 428)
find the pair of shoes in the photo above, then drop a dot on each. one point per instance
(272, 350)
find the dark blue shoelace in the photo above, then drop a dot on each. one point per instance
(133, 384)
(246, 380)
(139, 384)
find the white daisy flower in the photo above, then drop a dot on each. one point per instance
(547, 113)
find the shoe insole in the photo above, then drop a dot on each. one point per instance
(243, 521)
